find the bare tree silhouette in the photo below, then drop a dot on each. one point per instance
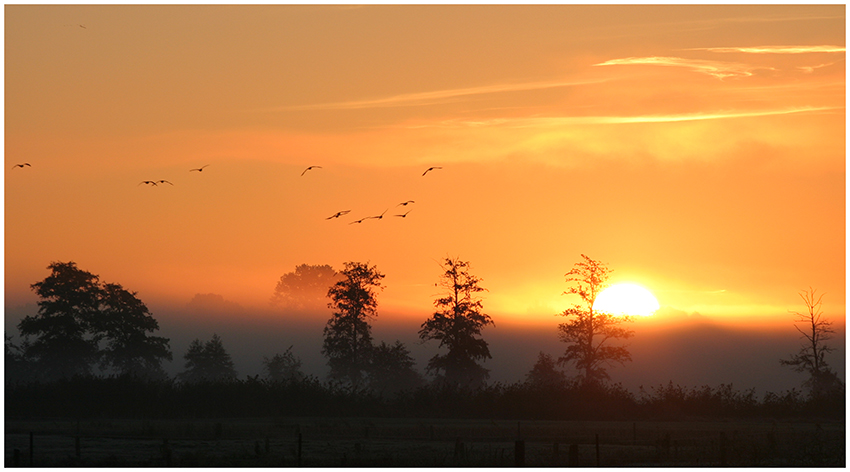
(588, 331)
(812, 355)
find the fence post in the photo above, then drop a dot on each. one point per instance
(597, 449)
(459, 450)
(572, 460)
(722, 449)
(519, 453)
(299, 449)
(166, 452)
(555, 453)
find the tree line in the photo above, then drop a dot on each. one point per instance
(83, 324)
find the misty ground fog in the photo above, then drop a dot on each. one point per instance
(689, 350)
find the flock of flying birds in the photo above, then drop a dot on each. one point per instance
(154, 183)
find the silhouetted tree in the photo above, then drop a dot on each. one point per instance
(17, 368)
(348, 337)
(545, 374)
(457, 324)
(124, 323)
(283, 367)
(207, 361)
(68, 306)
(811, 357)
(392, 369)
(306, 287)
(587, 332)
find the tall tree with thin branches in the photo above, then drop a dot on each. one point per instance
(348, 335)
(812, 355)
(457, 324)
(589, 332)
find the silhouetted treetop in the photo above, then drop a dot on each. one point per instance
(68, 308)
(76, 314)
(587, 332)
(124, 323)
(457, 324)
(348, 335)
(208, 361)
(305, 288)
(812, 355)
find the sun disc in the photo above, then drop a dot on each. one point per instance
(626, 299)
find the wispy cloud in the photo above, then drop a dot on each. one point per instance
(605, 120)
(429, 98)
(713, 68)
(810, 69)
(774, 49)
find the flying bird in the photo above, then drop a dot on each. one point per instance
(405, 214)
(377, 217)
(199, 169)
(430, 169)
(359, 221)
(310, 168)
(22, 165)
(165, 182)
(338, 214)
(150, 182)
(406, 203)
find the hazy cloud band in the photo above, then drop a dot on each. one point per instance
(426, 98)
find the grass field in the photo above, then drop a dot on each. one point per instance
(375, 442)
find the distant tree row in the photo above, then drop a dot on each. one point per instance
(83, 323)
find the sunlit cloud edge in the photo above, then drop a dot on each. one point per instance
(433, 97)
(717, 69)
(603, 120)
(774, 49)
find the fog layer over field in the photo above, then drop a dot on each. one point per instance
(688, 349)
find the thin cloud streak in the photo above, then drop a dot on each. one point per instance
(774, 49)
(606, 120)
(437, 96)
(713, 68)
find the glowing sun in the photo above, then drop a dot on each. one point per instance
(626, 299)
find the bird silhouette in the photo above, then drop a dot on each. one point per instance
(430, 169)
(165, 182)
(377, 217)
(22, 165)
(406, 203)
(338, 214)
(359, 221)
(199, 169)
(405, 214)
(150, 182)
(310, 168)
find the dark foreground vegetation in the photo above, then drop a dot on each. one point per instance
(124, 421)
(128, 397)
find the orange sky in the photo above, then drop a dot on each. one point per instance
(698, 150)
